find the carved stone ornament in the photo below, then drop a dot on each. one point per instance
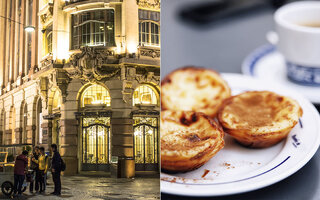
(149, 4)
(147, 78)
(153, 53)
(46, 13)
(87, 65)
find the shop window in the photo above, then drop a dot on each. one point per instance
(96, 94)
(145, 94)
(93, 28)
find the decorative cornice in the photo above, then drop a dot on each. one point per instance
(94, 114)
(149, 4)
(145, 112)
(149, 52)
(52, 116)
(147, 78)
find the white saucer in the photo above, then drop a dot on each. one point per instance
(268, 64)
(236, 169)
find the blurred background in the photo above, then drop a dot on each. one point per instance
(194, 33)
(219, 35)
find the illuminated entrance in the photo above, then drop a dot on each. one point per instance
(95, 144)
(95, 128)
(146, 143)
(146, 128)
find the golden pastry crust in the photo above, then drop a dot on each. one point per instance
(188, 140)
(259, 118)
(194, 89)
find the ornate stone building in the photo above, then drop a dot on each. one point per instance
(87, 78)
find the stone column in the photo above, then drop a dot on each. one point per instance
(12, 43)
(18, 135)
(17, 125)
(7, 45)
(130, 25)
(122, 126)
(46, 125)
(34, 45)
(30, 129)
(3, 12)
(8, 131)
(69, 129)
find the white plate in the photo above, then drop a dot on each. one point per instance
(237, 169)
(267, 63)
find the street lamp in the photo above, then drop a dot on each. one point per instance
(29, 29)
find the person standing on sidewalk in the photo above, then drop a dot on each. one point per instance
(43, 166)
(35, 167)
(20, 167)
(56, 170)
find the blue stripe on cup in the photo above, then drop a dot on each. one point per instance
(303, 74)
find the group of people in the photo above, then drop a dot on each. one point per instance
(37, 175)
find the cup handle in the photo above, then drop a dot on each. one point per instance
(272, 37)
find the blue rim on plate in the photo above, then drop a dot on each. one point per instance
(251, 60)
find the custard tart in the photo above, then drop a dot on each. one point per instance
(259, 118)
(194, 89)
(188, 140)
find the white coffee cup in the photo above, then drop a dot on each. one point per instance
(298, 29)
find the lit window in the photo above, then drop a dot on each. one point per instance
(149, 29)
(145, 94)
(149, 34)
(93, 28)
(96, 94)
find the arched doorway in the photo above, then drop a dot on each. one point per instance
(95, 100)
(146, 128)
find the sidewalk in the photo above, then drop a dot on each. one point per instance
(83, 187)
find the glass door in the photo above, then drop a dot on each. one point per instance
(95, 144)
(146, 143)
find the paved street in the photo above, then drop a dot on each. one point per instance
(93, 187)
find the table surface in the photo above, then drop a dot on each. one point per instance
(223, 47)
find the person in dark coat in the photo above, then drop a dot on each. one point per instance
(20, 167)
(56, 170)
(35, 170)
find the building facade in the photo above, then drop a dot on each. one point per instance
(87, 78)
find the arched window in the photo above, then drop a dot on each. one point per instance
(93, 28)
(149, 34)
(95, 94)
(145, 94)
